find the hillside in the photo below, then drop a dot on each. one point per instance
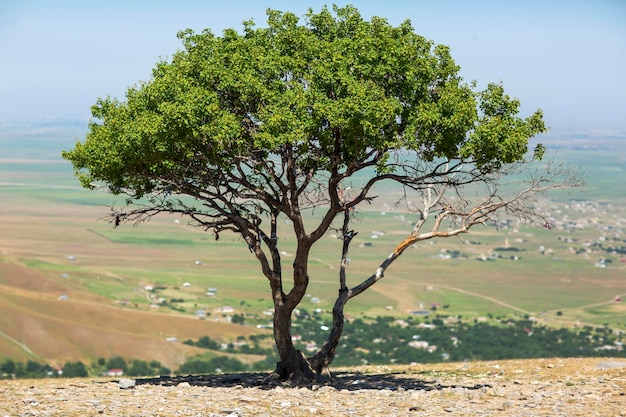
(74, 288)
(39, 324)
(572, 387)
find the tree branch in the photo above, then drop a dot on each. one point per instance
(518, 205)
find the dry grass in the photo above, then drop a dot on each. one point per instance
(85, 326)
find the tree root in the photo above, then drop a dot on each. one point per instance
(299, 373)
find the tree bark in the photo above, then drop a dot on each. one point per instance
(293, 366)
(321, 361)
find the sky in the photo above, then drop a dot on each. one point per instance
(566, 57)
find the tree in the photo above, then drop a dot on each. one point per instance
(117, 362)
(8, 367)
(75, 370)
(140, 367)
(244, 130)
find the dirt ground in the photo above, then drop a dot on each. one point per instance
(547, 387)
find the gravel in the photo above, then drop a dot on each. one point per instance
(555, 387)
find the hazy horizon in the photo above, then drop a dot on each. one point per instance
(566, 57)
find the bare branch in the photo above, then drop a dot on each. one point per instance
(465, 214)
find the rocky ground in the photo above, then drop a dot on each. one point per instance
(554, 387)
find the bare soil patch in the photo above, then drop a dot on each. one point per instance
(546, 387)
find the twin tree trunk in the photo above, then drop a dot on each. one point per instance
(293, 365)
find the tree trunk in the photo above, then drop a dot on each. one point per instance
(321, 361)
(293, 366)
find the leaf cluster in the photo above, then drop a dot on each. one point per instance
(332, 94)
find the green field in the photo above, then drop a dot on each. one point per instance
(50, 225)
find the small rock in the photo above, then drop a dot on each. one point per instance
(126, 383)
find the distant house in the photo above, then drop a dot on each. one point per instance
(115, 372)
(227, 309)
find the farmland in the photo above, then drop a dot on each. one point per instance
(73, 287)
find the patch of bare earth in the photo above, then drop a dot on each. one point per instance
(546, 387)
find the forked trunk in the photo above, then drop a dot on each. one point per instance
(294, 366)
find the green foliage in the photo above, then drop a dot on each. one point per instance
(238, 319)
(117, 362)
(333, 85)
(204, 342)
(30, 369)
(382, 340)
(75, 370)
(139, 368)
(214, 365)
(8, 367)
